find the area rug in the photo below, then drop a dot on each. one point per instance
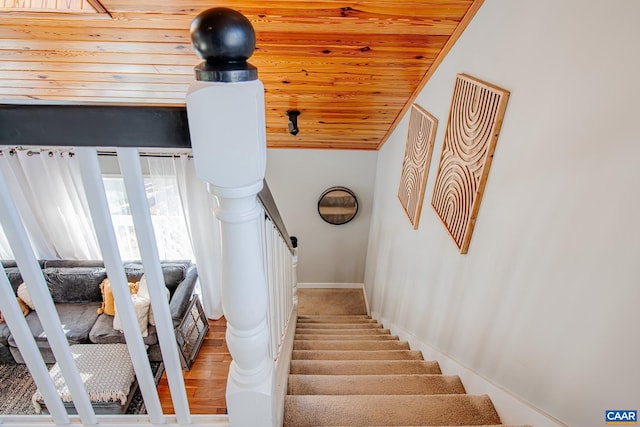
(18, 387)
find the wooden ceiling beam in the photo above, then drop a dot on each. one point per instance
(99, 126)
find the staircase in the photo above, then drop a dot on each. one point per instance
(347, 370)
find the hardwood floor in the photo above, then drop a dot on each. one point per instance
(206, 381)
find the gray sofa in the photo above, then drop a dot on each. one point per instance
(75, 290)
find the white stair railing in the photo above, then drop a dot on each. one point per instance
(280, 258)
(226, 115)
(36, 284)
(280, 264)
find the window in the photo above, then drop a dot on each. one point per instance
(5, 249)
(167, 216)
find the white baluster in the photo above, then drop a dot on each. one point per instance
(294, 278)
(36, 284)
(99, 208)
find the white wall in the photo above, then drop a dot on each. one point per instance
(545, 304)
(327, 253)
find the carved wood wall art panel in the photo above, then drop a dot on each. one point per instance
(417, 158)
(475, 118)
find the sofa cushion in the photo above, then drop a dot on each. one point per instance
(59, 263)
(80, 284)
(103, 332)
(76, 320)
(7, 263)
(173, 272)
(182, 297)
(15, 278)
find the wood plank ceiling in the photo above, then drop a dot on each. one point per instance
(351, 67)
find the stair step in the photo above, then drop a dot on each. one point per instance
(349, 345)
(334, 316)
(340, 331)
(369, 337)
(374, 384)
(339, 325)
(389, 410)
(335, 320)
(366, 367)
(357, 355)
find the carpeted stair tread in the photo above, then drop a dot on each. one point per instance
(339, 325)
(366, 367)
(346, 319)
(349, 345)
(357, 355)
(331, 302)
(374, 384)
(341, 331)
(380, 337)
(332, 317)
(389, 410)
(348, 370)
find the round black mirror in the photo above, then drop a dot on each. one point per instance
(337, 205)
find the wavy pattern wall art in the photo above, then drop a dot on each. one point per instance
(477, 110)
(415, 166)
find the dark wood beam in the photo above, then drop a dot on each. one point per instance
(94, 126)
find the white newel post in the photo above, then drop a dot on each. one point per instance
(226, 115)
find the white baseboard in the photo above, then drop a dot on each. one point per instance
(511, 408)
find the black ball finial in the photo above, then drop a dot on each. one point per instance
(225, 39)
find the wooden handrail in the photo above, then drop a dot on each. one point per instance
(271, 209)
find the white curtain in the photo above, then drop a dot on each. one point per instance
(5, 248)
(204, 230)
(202, 226)
(169, 219)
(49, 195)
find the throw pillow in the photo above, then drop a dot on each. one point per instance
(23, 307)
(23, 294)
(141, 307)
(144, 291)
(108, 302)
